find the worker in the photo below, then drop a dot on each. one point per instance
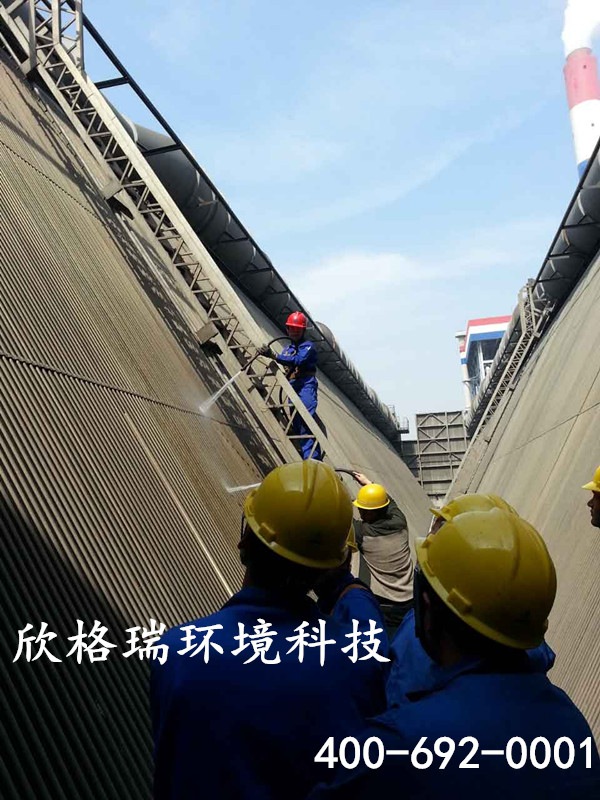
(466, 502)
(484, 587)
(594, 501)
(382, 538)
(231, 722)
(410, 666)
(346, 598)
(299, 359)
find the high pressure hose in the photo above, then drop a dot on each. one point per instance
(279, 339)
(269, 343)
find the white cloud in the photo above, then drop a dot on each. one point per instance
(397, 95)
(395, 315)
(354, 276)
(273, 155)
(370, 196)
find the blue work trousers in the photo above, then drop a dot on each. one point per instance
(307, 391)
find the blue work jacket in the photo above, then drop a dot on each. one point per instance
(491, 703)
(232, 729)
(412, 669)
(300, 358)
(348, 598)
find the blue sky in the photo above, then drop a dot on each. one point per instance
(404, 164)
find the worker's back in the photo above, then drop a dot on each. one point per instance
(492, 707)
(385, 547)
(230, 729)
(412, 670)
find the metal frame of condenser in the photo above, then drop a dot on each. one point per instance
(573, 248)
(327, 356)
(51, 53)
(425, 441)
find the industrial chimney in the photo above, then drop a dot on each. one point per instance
(582, 18)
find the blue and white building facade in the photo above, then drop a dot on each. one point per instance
(478, 346)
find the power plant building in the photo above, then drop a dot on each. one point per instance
(478, 345)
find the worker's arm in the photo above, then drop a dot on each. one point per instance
(304, 355)
(288, 356)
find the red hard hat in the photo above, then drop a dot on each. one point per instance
(296, 320)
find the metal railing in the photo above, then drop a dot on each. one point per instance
(46, 39)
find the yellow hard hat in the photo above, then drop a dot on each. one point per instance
(303, 512)
(351, 541)
(371, 497)
(594, 484)
(470, 502)
(492, 569)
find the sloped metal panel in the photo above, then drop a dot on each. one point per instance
(543, 447)
(113, 499)
(113, 488)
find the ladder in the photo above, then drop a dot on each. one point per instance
(45, 38)
(483, 446)
(532, 324)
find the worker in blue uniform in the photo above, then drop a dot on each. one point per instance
(411, 668)
(346, 598)
(484, 587)
(245, 716)
(299, 359)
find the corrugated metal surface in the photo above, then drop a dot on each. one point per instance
(544, 447)
(113, 506)
(364, 447)
(112, 487)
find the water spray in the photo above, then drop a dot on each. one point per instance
(214, 397)
(233, 489)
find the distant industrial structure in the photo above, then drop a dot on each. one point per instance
(478, 345)
(582, 21)
(435, 455)
(441, 442)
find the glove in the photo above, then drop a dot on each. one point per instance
(265, 350)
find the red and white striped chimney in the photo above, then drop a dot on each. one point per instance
(583, 96)
(582, 18)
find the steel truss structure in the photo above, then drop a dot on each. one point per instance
(571, 252)
(434, 457)
(532, 322)
(45, 38)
